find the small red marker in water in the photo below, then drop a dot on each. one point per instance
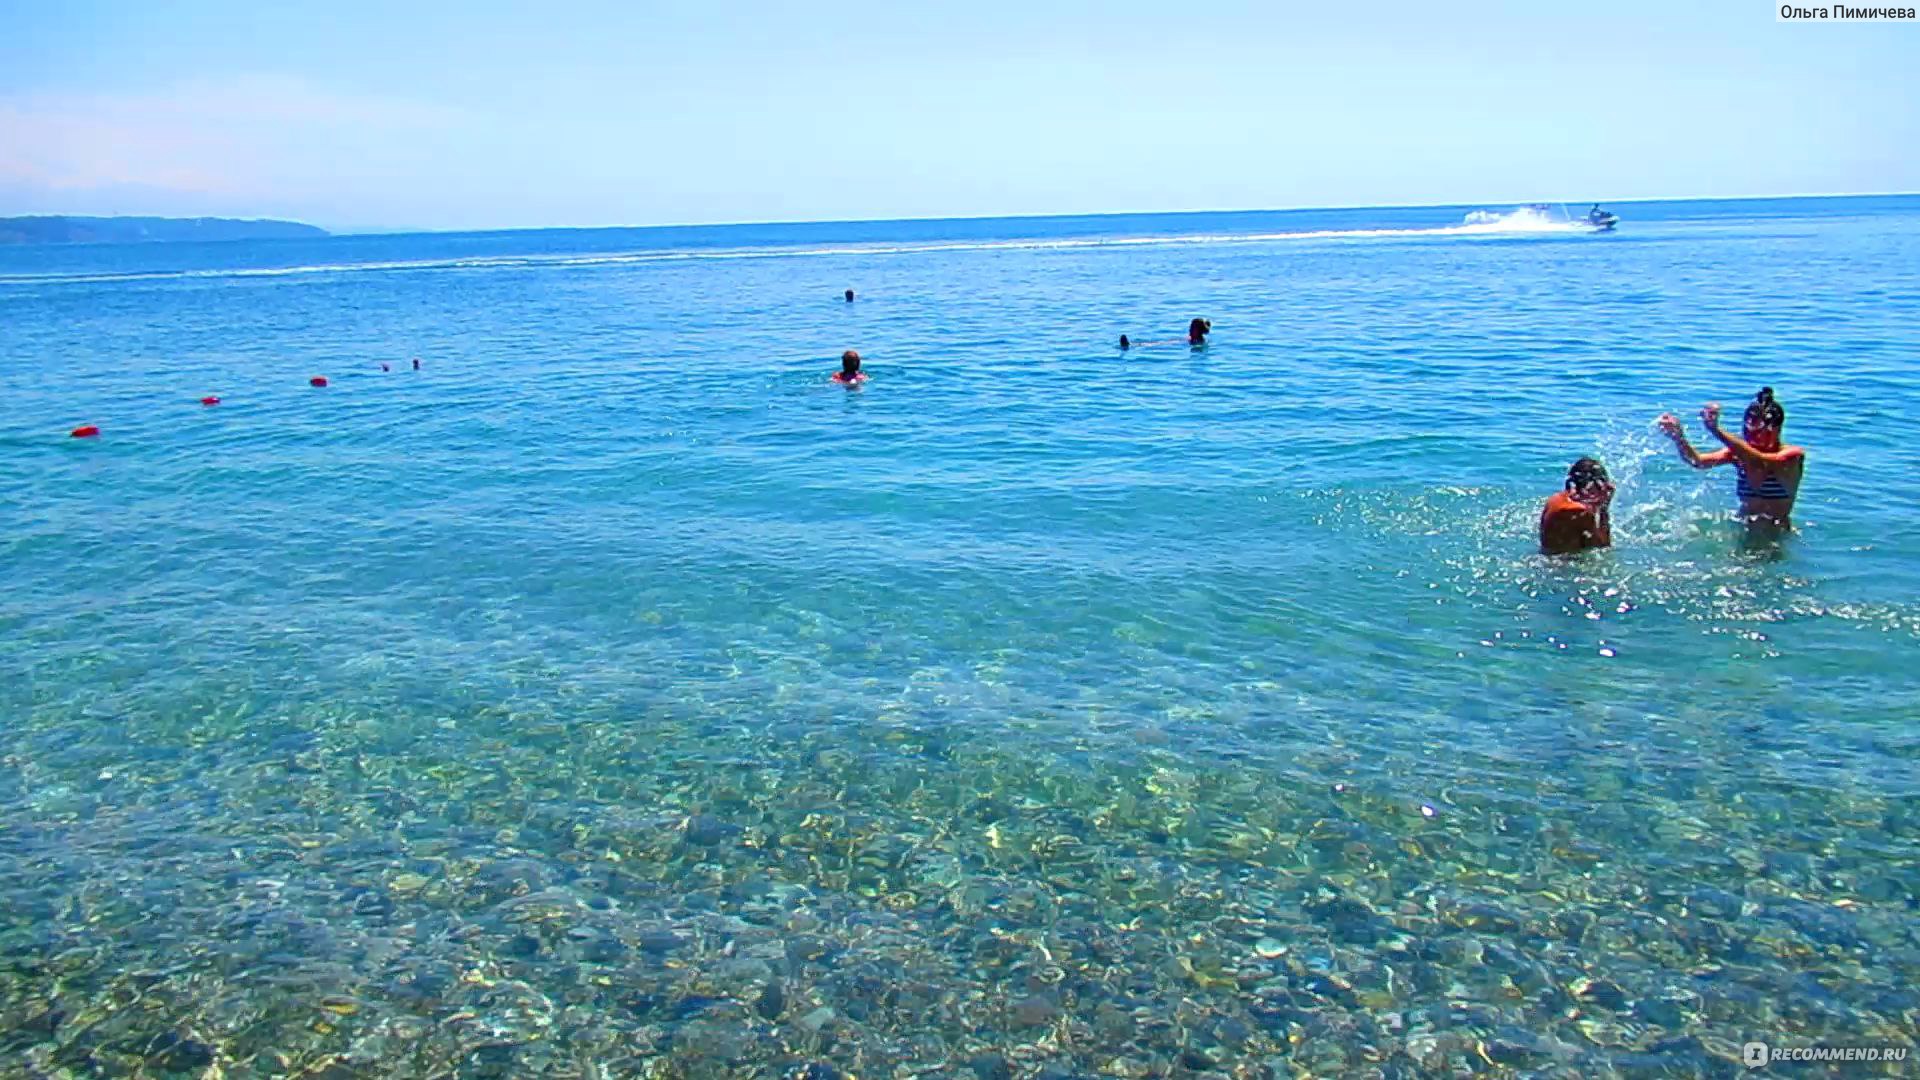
(209, 400)
(86, 431)
(317, 380)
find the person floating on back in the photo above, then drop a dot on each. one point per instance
(1766, 471)
(1579, 517)
(849, 373)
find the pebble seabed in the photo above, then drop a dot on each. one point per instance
(500, 892)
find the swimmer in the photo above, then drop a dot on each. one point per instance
(1197, 332)
(1766, 471)
(1578, 517)
(849, 373)
(416, 363)
(849, 296)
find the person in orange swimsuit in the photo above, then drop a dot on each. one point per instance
(1578, 517)
(1767, 472)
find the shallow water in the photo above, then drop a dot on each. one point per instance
(615, 696)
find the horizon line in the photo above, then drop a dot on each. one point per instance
(370, 230)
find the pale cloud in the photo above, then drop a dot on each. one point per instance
(255, 142)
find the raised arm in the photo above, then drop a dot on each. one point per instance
(1671, 425)
(1737, 447)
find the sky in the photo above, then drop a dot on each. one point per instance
(502, 115)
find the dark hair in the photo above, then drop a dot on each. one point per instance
(1766, 412)
(1587, 472)
(849, 363)
(1198, 329)
(1124, 343)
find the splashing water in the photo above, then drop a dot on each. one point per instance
(1524, 219)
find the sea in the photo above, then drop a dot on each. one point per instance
(614, 695)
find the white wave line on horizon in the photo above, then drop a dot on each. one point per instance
(1479, 223)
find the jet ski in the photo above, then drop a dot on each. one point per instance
(1600, 220)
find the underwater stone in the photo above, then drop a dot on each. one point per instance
(603, 950)
(772, 1001)
(408, 883)
(661, 942)
(1716, 902)
(990, 1067)
(43, 1023)
(1460, 950)
(807, 947)
(1601, 992)
(1425, 1050)
(175, 1054)
(1883, 888)
(705, 830)
(1571, 923)
(1661, 1012)
(1825, 925)
(715, 1039)
(1035, 1011)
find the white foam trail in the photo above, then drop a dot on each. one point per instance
(1524, 220)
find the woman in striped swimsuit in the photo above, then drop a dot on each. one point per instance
(1767, 471)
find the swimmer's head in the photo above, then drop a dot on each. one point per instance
(1198, 329)
(849, 296)
(1124, 343)
(849, 364)
(1587, 480)
(1765, 417)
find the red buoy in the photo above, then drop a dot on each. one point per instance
(209, 400)
(317, 380)
(86, 431)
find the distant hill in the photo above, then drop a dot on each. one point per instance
(134, 230)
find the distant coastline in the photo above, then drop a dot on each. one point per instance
(139, 230)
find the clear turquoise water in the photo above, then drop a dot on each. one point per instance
(615, 696)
